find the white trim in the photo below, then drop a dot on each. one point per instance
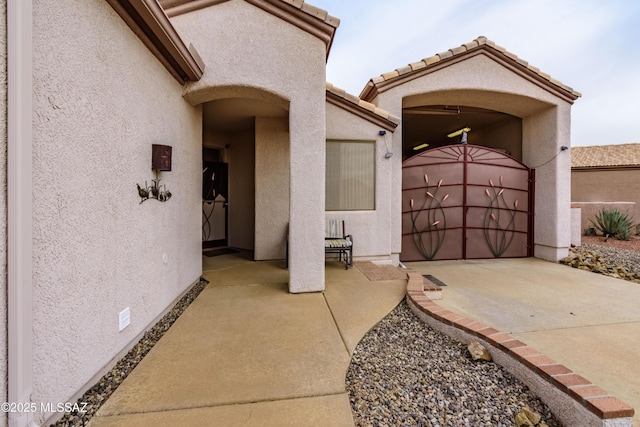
(19, 206)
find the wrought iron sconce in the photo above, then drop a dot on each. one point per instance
(160, 161)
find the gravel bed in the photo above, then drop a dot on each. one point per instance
(628, 259)
(100, 392)
(403, 372)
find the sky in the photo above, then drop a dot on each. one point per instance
(592, 46)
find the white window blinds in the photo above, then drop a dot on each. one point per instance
(350, 176)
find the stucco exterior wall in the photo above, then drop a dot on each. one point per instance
(603, 187)
(479, 81)
(272, 188)
(241, 189)
(504, 135)
(250, 53)
(370, 229)
(543, 135)
(101, 99)
(3, 207)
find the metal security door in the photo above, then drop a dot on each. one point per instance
(466, 202)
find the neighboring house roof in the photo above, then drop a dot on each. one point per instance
(303, 15)
(364, 109)
(480, 45)
(605, 156)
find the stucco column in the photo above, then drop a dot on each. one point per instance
(394, 106)
(19, 209)
(307, 193)
(543, 136)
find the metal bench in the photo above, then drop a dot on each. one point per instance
(337, 241)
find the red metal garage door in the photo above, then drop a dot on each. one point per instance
(466, 202)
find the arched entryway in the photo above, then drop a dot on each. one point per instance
(466, 202)
(246, 148)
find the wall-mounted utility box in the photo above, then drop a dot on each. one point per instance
(124, 318)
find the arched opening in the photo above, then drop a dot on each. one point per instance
(432, 126)
(245, 143)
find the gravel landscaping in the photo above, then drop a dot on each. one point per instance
(100, 392)
(405, 373)
(608, 260)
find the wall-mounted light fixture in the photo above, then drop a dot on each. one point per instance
(160, 161)
(389, 153)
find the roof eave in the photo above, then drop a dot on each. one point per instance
(604, 168)
(147, 20)
(390, 124)
(303, 15)
(395, 78)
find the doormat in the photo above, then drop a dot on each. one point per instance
(433, 280)
(218, 252)
(379, 272)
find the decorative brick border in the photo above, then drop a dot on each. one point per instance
(571, 397)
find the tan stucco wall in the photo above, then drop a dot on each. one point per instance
(481, 82)
(3, 207)
(602, 187)
(241, 154)
(251, 53)
(370, 229)
(101, 99)
(504, 135)
(272, 188)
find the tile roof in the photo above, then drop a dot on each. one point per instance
(303, 15)
(423, 67)
(605, 156)
(314, 11)
(176, 7)
(365, 109)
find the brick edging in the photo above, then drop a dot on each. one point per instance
(596, 400)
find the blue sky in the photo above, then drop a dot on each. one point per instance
(592, 46)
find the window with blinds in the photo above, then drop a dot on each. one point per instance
(350, 176)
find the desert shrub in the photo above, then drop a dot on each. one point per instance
(613, 223)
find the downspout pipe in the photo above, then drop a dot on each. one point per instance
(19, 207)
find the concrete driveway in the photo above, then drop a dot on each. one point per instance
(585, 321)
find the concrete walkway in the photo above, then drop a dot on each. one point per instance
(248, 353)
(585, 321)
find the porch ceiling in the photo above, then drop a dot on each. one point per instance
(431, 124)
(234, 114)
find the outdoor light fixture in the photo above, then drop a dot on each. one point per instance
(459, 132)
(388, 154)
(564, 148)
(420, 147)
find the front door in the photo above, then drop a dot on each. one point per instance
(215, 191)
(465, 202)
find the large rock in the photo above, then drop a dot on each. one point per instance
(527, 418)
(478, 351)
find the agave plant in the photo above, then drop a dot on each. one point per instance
(613, 223)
